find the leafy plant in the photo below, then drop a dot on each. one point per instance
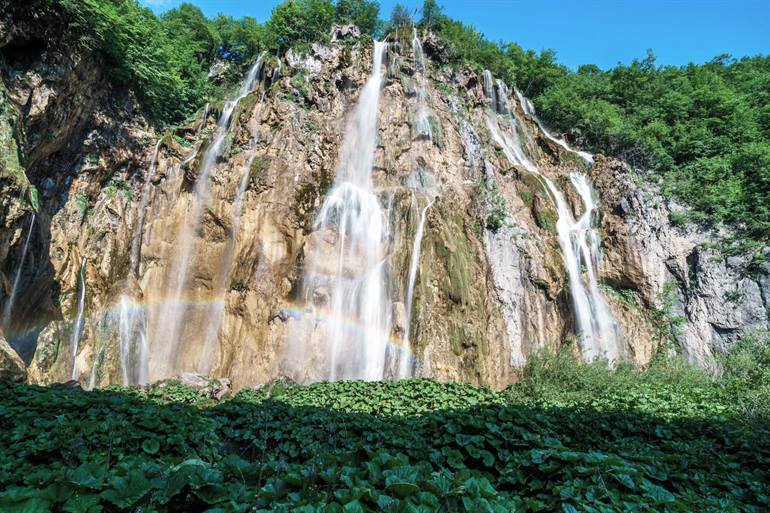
(584, 435)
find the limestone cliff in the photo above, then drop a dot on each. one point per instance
(173, 284)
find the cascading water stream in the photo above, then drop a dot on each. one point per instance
(579, 240)
(404, 370)
(218, 305)
(165, 334)
(356, 327)
(8, 309)
(78, 326)
(423, 118)
(132, 323)
(204, 117)
(580, 244)
(136, 243)
(529, 110)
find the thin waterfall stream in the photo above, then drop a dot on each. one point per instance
(132, 329)
(579, 239)
(8, 309)
(77, 328)
(404, 370)
(422, 122)
(136, 243)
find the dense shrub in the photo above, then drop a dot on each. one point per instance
(569, 437)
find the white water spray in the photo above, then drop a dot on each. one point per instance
(78, 326)
(356, 326)
(136, 243)
(8, 309)
(133, 342)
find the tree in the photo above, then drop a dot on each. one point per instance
(400, 17)
(432, 15)
(298, 23)
(362, 13)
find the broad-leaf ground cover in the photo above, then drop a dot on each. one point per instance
(567, 438)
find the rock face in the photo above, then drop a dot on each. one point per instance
(11, 366)
(117, 200)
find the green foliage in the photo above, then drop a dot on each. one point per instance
(298, 23)
(139, 51)
(299, 82)
(83, 205)
(400, 17)
(546, 220)
(666, 322)
(528, 70)
(493, 204)
(570, 437)
(34, 198)
(118, 184)
(362, 13)
(238, 39)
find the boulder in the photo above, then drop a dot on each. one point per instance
(11, 366)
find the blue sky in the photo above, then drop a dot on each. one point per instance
(602, 32)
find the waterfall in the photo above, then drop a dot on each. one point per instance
(78, 326)
(404, 370)
(132, 329)
(423, 127)
(136, 243)
(529, 110)
(171, 316)
(204, 117)
(8, 309)
(355, 319)
(579, 239)
(580, 245)
(217, 307)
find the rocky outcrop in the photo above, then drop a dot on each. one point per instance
(11, 366)
(491, 285)
(713, 297)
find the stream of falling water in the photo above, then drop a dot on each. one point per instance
(78, 326)
(136, 242)
(132, 329)
(404, 368)
(579, 239)
(529, 110)
(165, 333)
(8, 309)
(356, 324)
(423, 127)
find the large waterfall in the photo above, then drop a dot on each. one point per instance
(347, 300)
(167, 327)
(579, 239)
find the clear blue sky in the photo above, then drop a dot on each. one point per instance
(602, 32)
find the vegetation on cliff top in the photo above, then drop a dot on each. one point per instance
(570, 437)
